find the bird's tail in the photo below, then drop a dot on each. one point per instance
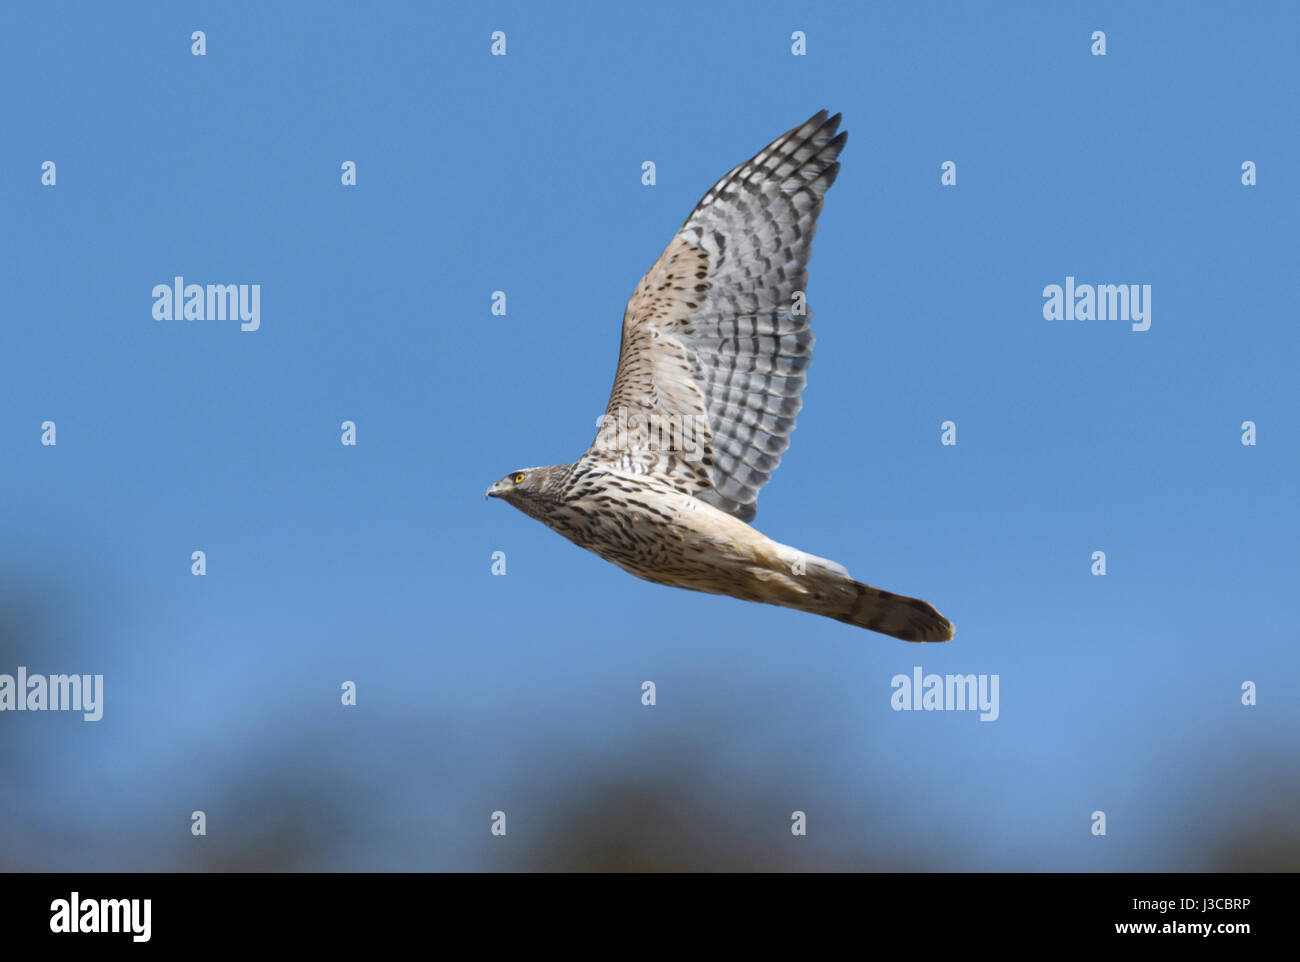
(908, 618)
(825, 587)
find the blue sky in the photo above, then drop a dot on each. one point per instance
(523, 174)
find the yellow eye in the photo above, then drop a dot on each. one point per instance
(519, 478)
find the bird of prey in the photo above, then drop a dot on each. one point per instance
(716, 344)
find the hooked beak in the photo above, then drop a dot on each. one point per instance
(494, 491)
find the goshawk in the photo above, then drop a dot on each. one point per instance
(716, 345)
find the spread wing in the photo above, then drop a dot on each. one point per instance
(717, 336)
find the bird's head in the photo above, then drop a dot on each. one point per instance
(516, 484)
(531, 490)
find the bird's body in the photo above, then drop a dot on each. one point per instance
(716, 339)
(651, 529)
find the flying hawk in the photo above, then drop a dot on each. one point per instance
(716, 343)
